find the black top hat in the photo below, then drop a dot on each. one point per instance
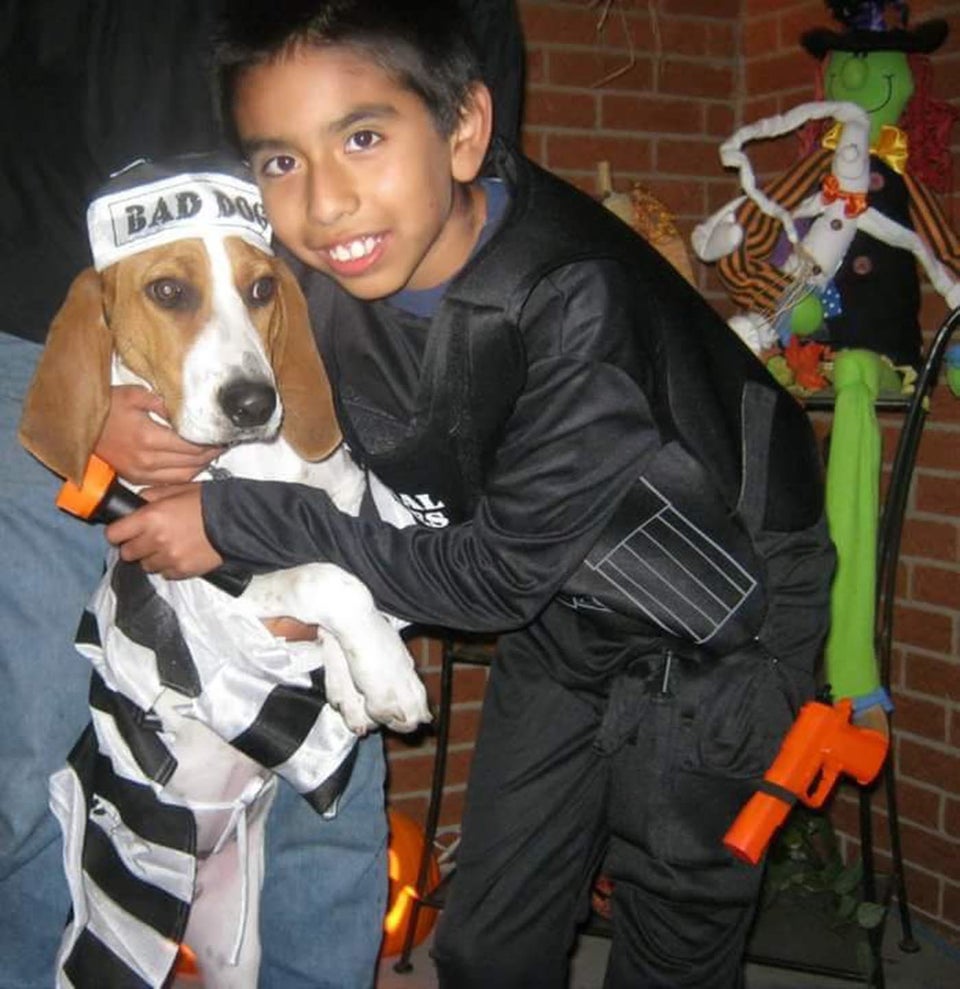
(867, 30)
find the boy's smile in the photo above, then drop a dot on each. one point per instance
(357, 180)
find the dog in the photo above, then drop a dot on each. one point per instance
(172, 783)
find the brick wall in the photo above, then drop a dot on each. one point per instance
(653, 87)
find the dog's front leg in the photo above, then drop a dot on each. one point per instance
(379, 664)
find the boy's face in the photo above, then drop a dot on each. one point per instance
(356, 179)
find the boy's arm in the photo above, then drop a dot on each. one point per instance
(576, 441)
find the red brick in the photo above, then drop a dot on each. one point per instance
(691, 78)
(728, 9)
(951, 817)
(464, 722)
(684, 199)
(649, 113)
(924, 891)
(691, 38)
(939, 678)
(925, 629)
(936, 495)
(929, 540)
(546, 107)
(534, 144)
(469, 684)
(584, 151)
(723, 38)
(760, 36)
(921, 716)
(779, 71)
(927, 764)
(919, 804)
(951, 911)
(794, 22)
(451, 811)
(553, 24)
(536, 66)
(760, 105)
(940, 448)
(687, 157)
(931, 851)
(588, 69)
(720, 121)
(936, 585)
(410, 773)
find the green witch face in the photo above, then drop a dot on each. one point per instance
(879, 81)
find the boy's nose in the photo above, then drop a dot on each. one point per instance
(332, 194)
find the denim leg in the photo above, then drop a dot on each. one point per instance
(325, 890)
(49, 566)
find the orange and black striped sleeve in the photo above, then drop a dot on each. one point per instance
(751, 280)
(931, 224)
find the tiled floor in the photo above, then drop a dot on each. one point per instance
(935, 966)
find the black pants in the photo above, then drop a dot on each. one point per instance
(543, 802)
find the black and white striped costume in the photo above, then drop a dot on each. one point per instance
(130, 842)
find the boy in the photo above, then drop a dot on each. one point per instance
(602, 474)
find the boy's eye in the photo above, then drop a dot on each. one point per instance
(278, 165)
(362, 140)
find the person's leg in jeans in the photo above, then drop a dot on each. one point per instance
(325, 890)
(533, 834)
(49, 567)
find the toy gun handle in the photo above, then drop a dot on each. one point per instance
(820, 745)
(101, 498)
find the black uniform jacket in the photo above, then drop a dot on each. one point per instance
(598, 466)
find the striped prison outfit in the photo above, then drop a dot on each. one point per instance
(130, 837)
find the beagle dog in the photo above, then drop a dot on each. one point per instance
(187, 298)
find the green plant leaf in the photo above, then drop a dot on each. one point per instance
(849, 879)
(870, 915)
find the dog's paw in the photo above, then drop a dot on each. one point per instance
(355, 716)
(399, 702)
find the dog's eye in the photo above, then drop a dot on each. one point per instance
(171, 293)
(262, 290)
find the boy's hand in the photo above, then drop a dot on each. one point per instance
(142, 450)
(167, 536)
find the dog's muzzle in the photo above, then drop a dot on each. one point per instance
(248, 404)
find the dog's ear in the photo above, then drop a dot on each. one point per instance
(68, 398)
(309, 420)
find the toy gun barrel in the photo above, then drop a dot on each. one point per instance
(820, 746)
(102, 499)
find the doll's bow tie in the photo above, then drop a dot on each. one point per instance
(891, 146)
(854, 203)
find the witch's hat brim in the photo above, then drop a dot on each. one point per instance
(924, 38)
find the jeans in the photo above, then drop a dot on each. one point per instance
(49, 566)
(325, 889)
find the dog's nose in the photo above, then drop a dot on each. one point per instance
(248, 403)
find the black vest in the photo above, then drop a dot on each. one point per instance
(737, 454)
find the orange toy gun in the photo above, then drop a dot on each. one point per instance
(101, 498)
(820, 746)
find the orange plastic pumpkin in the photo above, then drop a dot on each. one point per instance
(404, 849)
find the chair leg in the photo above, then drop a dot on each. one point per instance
(908, 942)
(403, 964)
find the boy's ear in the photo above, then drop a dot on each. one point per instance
(471, 138)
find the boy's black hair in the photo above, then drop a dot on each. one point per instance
(425, 45)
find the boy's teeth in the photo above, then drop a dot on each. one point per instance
(354, 250)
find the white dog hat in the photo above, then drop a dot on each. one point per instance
(150, 203)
